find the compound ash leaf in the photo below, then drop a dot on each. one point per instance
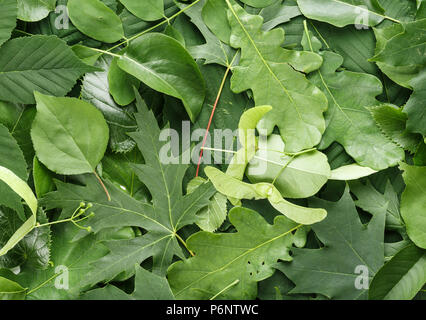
(228, 266)
(163, 64)
(70, 136)
(38, 63)
(349, 247)
(7, 19)
(413, 203)
(148, 286)
(348, 120)
(269, 71)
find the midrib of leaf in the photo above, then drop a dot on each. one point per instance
(165, 183)
(367, 10)
(67, 131)
(126, 57)
(396, 287)
(239, 257)
(263, 59)
(322, 78)
(118, 261)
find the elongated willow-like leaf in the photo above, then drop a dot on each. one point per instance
(349, 122)
(237, 189)
(241, 259)
(7, 19)
(413, 203)
(162, 63)
(24, 191)
(95, 19)
(38, 63)
(343, 12)
(268, 70)
(70, 136)
(402, 277)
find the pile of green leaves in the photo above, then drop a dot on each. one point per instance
(88, 209)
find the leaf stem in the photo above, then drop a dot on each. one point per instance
(102, 185)
(224, 289)
(219, 94)
(184, 244)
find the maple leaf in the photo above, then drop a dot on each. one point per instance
(348, 244)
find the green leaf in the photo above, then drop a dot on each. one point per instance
(241, 259)
(120, 120)
(351, 172)
(413, 203)
(298, 105)
(402, 277)
(121, 84)
(277, 14)
(33, 250)
(237, 189)
(348, 244)
(70, 263)
(11, 157)
(343, 12)
(373, 201)
(24, 191)
(213, 51)
(213, 216)
(7, 19)
(172, 71)
(148, 286)
(43, 178)
(38, 63)
(70, 136)
(259, 3)
(400, 55)
(34, 10)
(392, 121)
(169, 211)
(95, 19)
(348, 120)
(299, 176)
(10, 290)
(148, 10)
